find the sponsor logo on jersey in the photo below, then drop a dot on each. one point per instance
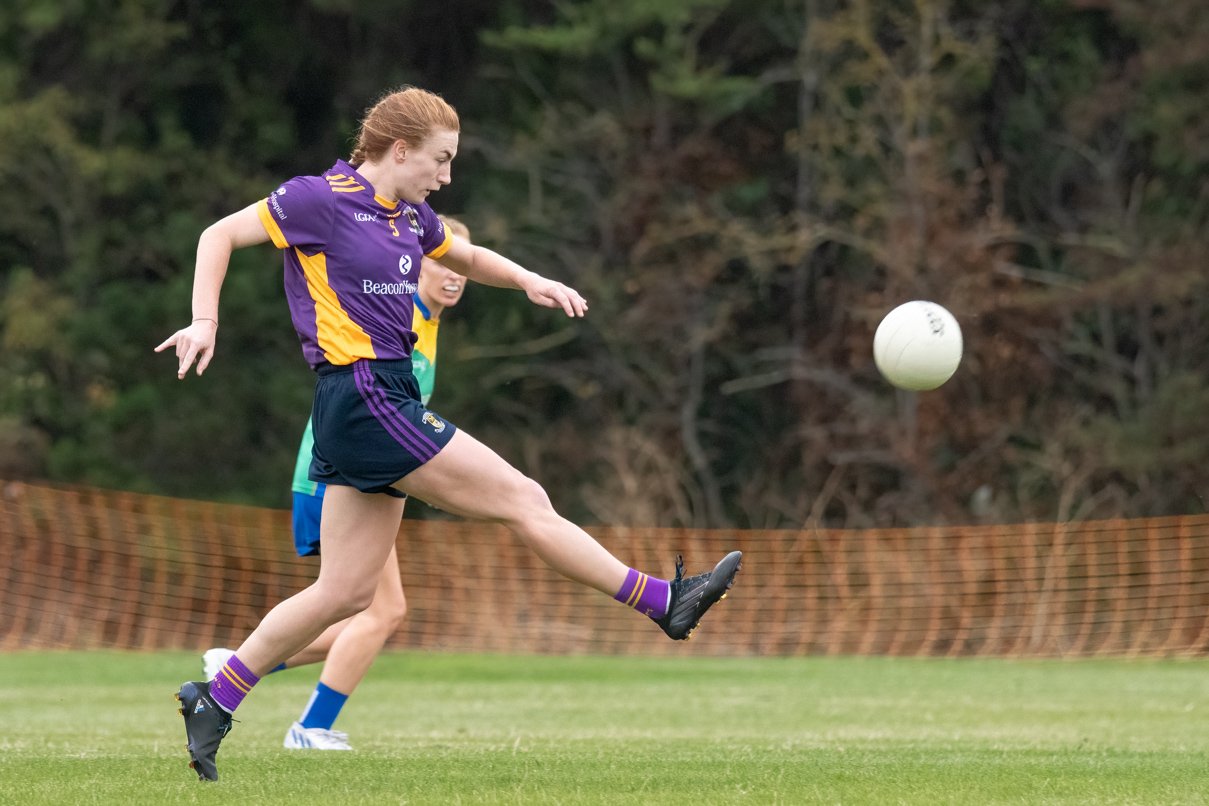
(405, 264)
(388, 289)
(277, 205)
(365, 216)
(432, 420)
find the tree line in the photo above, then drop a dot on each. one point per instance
(741, 189)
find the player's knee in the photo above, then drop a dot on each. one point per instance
(349, 601)
(531, 496)
(382, 620)
(360, 601)
(531, 507)
(391, 612)
(395, 615)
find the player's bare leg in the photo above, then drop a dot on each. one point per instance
(316, 651)
(358, 534)
(469, 479)
(351, 653)
(385, 610)
(362, 639)
(349, 648)
(376, 622)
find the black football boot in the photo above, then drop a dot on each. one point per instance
(693, 596)
(205, 724)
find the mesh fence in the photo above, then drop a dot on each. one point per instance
(86, 568)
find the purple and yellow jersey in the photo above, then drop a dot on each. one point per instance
(352, 260)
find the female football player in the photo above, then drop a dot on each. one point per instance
(348, 647)
(353, 239)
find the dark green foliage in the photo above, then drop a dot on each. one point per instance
(740, 188)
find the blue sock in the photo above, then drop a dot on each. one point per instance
(324, 707)
(278, 668)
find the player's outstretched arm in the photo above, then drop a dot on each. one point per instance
(214, 248)
(490, 268)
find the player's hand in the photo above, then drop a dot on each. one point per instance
(551, 294)
(194, 343)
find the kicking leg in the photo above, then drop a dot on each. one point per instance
(467, 478)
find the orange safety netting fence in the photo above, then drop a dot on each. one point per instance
(85, 568)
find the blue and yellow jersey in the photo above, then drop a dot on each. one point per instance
(424, 353)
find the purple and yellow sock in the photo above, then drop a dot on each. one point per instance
(646, 594)
(232, 684)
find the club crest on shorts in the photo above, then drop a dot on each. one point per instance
(434, 421)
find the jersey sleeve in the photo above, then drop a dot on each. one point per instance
(436, 239)
(299, 213)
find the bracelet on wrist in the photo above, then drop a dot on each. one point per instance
(205, 319)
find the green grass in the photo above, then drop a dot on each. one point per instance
(101, 728)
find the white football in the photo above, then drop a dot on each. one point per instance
(918, 345)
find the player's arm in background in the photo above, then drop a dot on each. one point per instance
(214, 248)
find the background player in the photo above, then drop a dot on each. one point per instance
(350, 646)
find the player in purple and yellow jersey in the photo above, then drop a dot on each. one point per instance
(347, 648)
(353, 239)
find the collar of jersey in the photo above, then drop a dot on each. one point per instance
(423, 308)
(342, 166)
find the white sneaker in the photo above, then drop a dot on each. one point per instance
(300, 738)
(214, 660)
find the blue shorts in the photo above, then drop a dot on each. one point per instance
(370, 428)
(307, 509)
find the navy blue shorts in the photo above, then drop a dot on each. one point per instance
(370, 428)
(307, 511)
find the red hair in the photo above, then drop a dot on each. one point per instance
(409, 114)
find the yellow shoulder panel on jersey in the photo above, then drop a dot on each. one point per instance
(270, 224)
(443, 248)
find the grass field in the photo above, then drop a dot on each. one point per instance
(101, 728)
